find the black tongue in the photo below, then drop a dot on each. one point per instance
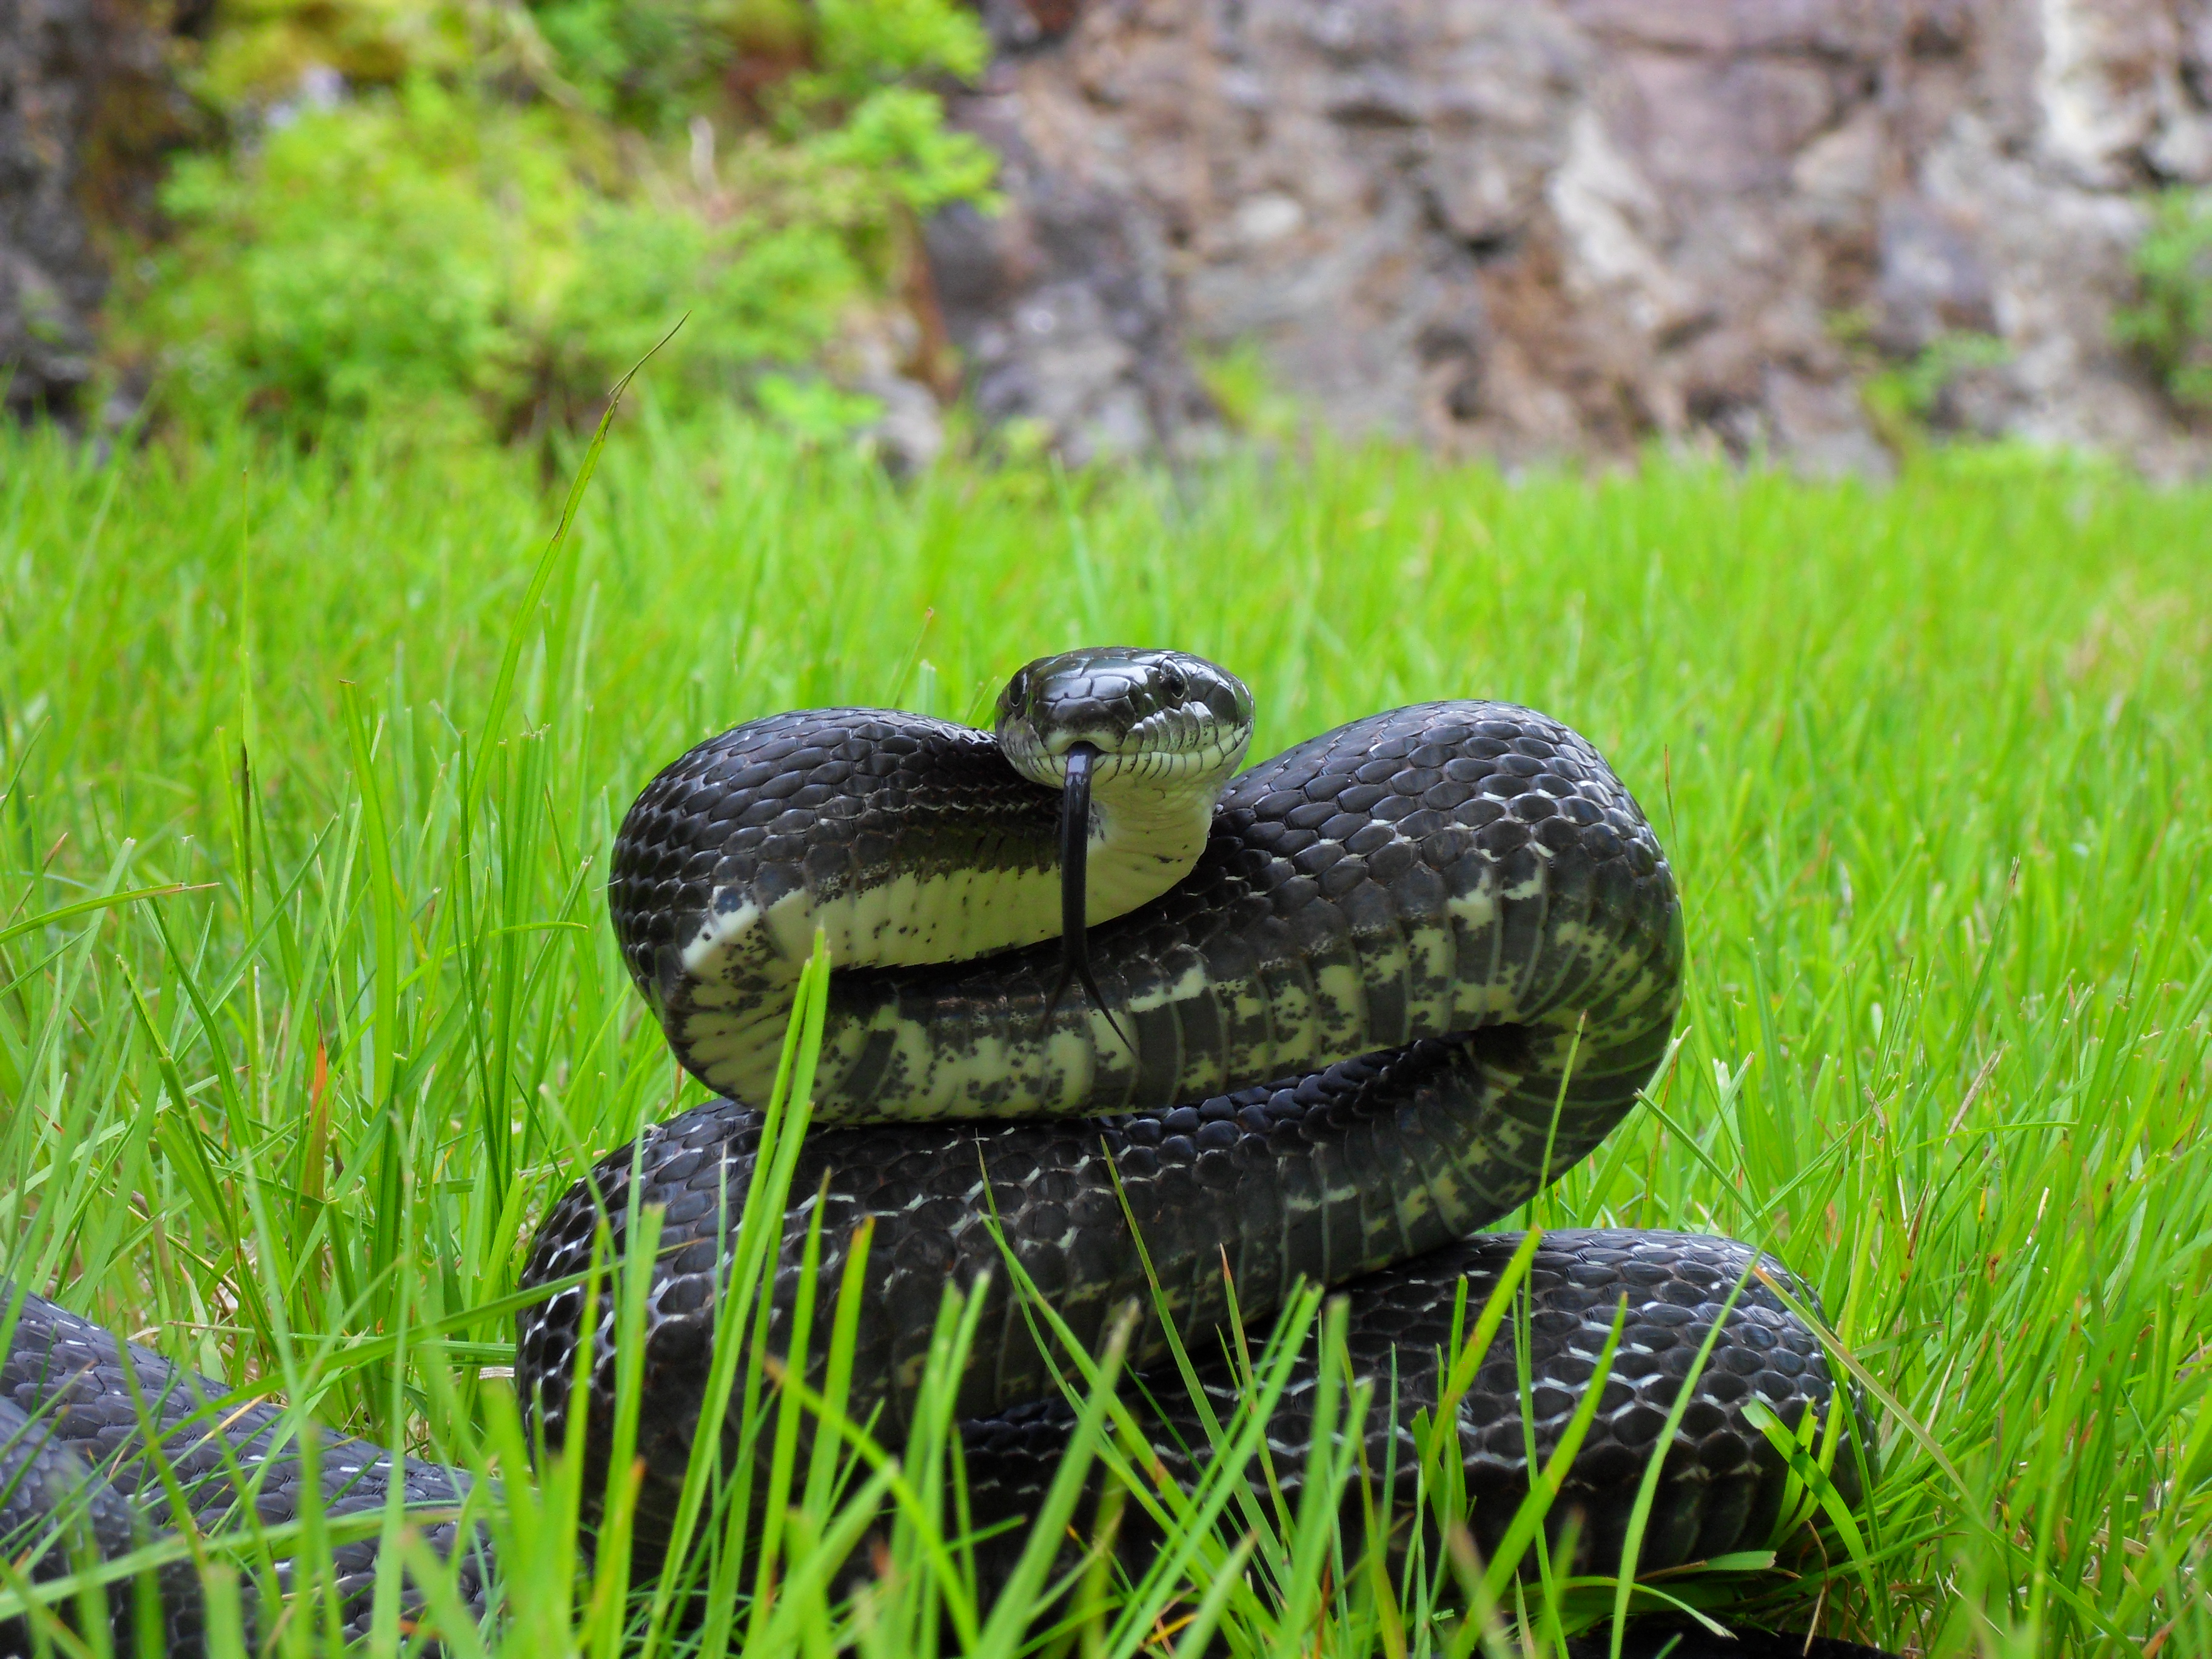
(1075, 855)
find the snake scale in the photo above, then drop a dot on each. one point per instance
(1104, 1000)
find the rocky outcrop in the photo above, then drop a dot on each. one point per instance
(86, 108)
(1529, 227)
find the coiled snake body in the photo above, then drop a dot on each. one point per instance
(1329, 1017)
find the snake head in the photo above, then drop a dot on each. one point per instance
(1139, 744)
(1164, 719)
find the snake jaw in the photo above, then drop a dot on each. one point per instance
(1074, 859)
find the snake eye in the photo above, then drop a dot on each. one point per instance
(1174, 682)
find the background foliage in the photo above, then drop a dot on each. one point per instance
(483, 213)
(2171, 322)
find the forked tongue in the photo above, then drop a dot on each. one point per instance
(1075, 855)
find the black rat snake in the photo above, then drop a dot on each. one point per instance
(1446, 931)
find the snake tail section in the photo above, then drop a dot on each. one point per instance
(89, 1427)
(1722, 1485)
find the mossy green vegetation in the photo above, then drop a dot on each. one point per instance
(481, 214)
(1929, 758)
(2171, 322)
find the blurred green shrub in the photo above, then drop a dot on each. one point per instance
(1904, 401)
(1250, 394)
(2171, 322)
(483, 214)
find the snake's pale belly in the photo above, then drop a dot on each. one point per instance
(1421, 966)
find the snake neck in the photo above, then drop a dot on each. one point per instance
(1144, 837)
(908, 844)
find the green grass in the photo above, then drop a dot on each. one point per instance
(1932, 763)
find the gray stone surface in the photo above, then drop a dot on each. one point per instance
(50, 278)
(1530, 226)
(85, 108)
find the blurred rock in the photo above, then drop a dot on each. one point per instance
(1062, 304)
(1529, 227)
(86, 108)
(909, 433)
